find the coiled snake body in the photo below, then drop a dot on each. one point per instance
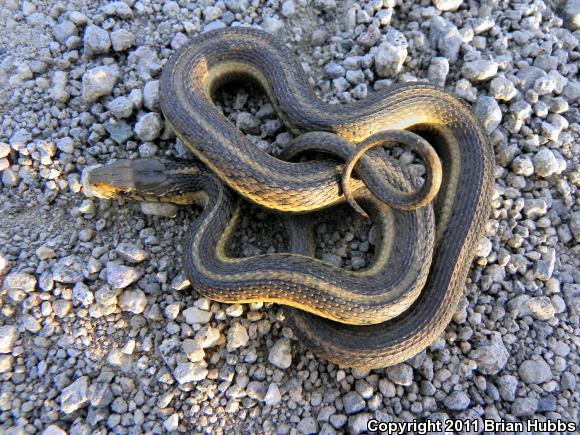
(405, 298)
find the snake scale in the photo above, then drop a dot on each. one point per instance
(403, 300)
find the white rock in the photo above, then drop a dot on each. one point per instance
(192, 350)
(545, 163)
(119, 276)
(237, 336)
(129, 347)
(273, 396)
(479, 70)
(391, 54)
(149, 126)
(189, 372)
(194, 315)
(171, 423)
(165, 209)
(281, 353)
(492, 357)
(207, 336)
(96, 41)
(99, 82)
(133, 301)
(8, 336)
(53, 429)
(6, 363)
(75, 396)
(447, 5)
(122, 40)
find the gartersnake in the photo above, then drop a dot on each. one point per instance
(187, 85)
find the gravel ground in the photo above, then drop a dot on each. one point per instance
(99, 331)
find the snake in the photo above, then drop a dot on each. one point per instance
(459, 198)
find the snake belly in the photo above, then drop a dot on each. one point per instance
(187, 85)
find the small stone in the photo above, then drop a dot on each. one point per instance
(522, 165)
(149, 127)
(237, 336)
(502, 89)
(280, 354)
(64, 30)
(528, 76)
(332, 259)
(83, 294)
(100, 395)
(571, 14)
(507, 386)
(120, 131)
(319, 37)
(121, 107)
(272, 25)
(207, 336)
(99, 82)
(171, 423)
(247, 123)
(492, 357)
(334, 71)
(545, 163)
(488, 112)
(288, 8)
(119, 276)
(457, 401)
(131, 253)
(8, 336)
(544, 85)
(61, 308)
(189, 372)
(133, 301)
(541, 308)
(192, 350)
(535, 208)
(20, 281)
(357, 424)
(400, 374)
(122, 40)
(447, 5)
(53, 429)
(479, 70)
(524, 406)
(273, 396)
(4, 265)
(338, 420)
(355, 77)
(353, 402)
(211, 13)
(129, 347)
(75, 396)
(535, 371)
(165, 209)
(96, 41)
(235, 310)
(484, 248)
(4, 149)
(194, 315)
(391, 54)
(572, 297)
(438, 70)
(151, 95)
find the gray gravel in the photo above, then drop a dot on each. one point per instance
(100, 331)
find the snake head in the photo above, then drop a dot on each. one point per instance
(127, 178)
